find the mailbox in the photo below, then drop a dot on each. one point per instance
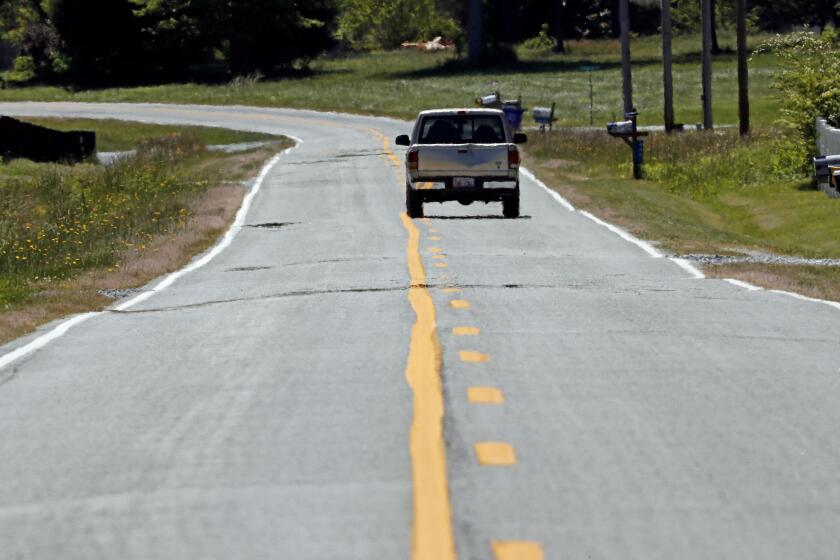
(622, 129)
(630, 134)
(822, 173)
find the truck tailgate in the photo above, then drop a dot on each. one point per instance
(463, 160)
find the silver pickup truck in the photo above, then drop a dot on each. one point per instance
(471, 152)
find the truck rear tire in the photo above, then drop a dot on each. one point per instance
(510, 206)
(413, 203)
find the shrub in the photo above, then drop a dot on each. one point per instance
(542, 42)
(807, 80)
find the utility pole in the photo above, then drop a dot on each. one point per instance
(743, 75)
(706, 17)
(474, 29)
(626, 75)
(559, 20)
(667, 74)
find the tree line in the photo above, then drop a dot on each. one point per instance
(131, 41)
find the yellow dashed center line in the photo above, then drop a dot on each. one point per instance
(451, 290)
(485, 395)
(495, 454)
(439, 257)
(472, 356)
(516, 550)
(432, 534)
(435, 250)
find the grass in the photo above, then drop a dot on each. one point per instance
(68, 231)
(703, 193)
(402, 83)
(117, 136)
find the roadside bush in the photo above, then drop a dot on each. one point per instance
(807, 80)
(542, 42)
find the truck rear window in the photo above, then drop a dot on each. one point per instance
(462, 129)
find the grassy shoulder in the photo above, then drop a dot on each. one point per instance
(117, 136)
(69, 234)
(402, 83)
(706, 193)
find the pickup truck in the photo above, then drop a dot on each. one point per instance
(472, 152)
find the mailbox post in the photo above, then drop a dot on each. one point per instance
(629, 132)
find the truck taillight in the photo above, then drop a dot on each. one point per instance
(513, 158)
(413, 160)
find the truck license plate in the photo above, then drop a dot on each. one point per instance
(462, 182)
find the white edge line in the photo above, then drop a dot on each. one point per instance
(554, 194)
(688, 267)
(794, 295)
(742, 284)
(45, 339)
(61, 329)
(643, 245)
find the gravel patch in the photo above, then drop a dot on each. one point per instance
(119, 294)
(757, 258)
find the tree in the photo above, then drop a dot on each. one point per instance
(386, 24)
(26, 26)
(99, 53)
(178, 34)
(475, 29)
(269, 36)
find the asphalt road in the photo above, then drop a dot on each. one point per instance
(281, 400)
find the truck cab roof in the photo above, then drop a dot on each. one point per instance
(467, 112)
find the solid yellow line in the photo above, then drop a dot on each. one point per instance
(495, 454)
(465, 331)
(460, 304)
(473, 356)
(485, 395)
(432, 537)
(517, 550)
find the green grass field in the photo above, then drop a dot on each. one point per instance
(402, 83)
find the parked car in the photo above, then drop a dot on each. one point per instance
(472, 152)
